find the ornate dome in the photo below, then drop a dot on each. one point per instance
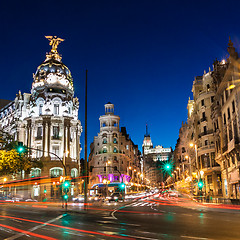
(55, 67)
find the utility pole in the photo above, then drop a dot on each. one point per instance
(85, 152)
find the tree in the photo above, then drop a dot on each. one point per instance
(11, 162)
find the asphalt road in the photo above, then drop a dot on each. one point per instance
(148, 218)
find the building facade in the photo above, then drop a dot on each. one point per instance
(114, 158)
(153, 157)
(226, 116)
(46, 121)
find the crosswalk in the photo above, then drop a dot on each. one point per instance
(142, 204)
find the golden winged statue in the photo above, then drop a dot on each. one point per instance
(54, 42)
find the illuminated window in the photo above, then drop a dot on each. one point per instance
(74, 172)
(35, 172)
(40, 109)
(56, 172)
(104, 150)
(56, 109)
(115, 150)
(114, 140)
(55, 150)
(56, 132)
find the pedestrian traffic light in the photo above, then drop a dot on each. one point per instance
(45, 191)
(200, 184)
(65, 197)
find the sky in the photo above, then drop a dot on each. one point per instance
(142, 56)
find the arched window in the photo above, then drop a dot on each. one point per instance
(74, 173)
(35, 172)
(115, 150)
(115, 140)
(104, 141)
(56, 172)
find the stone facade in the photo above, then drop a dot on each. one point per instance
(153, 157)
(46, 121)
(114, 158)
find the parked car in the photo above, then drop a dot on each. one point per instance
(116, 197)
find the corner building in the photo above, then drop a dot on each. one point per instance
(114, 158)
(47, 120)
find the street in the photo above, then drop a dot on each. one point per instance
(145, 218)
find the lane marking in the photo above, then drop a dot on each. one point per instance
(35, 228)
(191, 237)
(68, 228)
(24, 232)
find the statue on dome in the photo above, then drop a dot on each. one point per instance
(54, 42)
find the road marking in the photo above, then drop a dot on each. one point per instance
(35, 228)
(139, 237)
(195, 237)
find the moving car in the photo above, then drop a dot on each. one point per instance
(116, 197)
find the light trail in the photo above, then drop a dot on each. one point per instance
(69, 228)
(27, 232)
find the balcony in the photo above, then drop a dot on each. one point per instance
(38, 138)
(225, 148)
(205, 133)
(56, 137)
(203, 119)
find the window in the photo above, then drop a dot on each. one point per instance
(104, 150)
(114, 140)
(212, 99)
(209, 179)
(40, 109)
(202, 102)
(203, 115)
(104, 141)
(39, 132)
(56, 109)
(56, 132)
(115, 150)
(228, 112)
(233, 107)
(74, 173)
(224, 118)
(205, 130)
(127, 147)
(56, 172)
(208, 87)
(35, 172)
(206, 142)
(55, 149)
(222, 100)
(226, 94)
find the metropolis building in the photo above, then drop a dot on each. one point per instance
(47, 120)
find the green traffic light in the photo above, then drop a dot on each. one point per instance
(45, 191)
(66, 184)
(65, 197)
(200, 184)
(122, 185)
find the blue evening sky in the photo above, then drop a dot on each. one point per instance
(141, 55)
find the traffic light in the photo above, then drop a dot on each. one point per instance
(65, 197)
(200, 184)
(20, 148)
(122, 186)
(66, 184)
